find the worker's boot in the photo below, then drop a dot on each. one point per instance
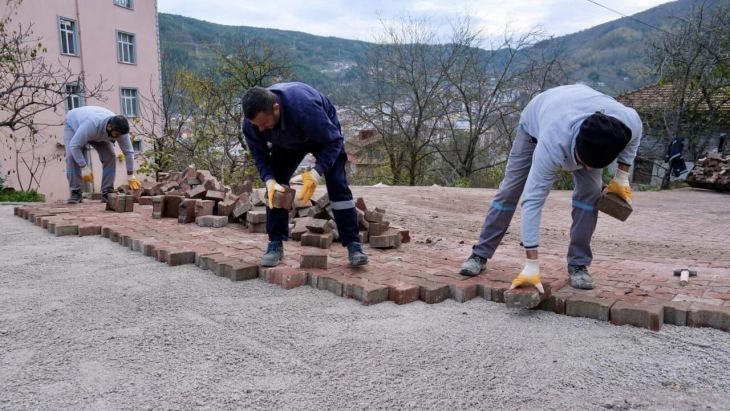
(274, 254)
(356, 255)
(76, 197)
(579, 277)
(473, 266)
(105, 195)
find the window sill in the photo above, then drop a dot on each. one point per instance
(125, 8)
(125, 63)
(70, 55)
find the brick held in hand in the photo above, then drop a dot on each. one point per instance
(614, 206)
(284, 199)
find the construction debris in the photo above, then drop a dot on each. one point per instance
(711, 172)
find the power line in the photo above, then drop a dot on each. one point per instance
(631, 18)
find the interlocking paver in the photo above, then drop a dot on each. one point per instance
(633, 261)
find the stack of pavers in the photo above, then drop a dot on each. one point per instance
(313, 224)
(712, 172)
(197, 196)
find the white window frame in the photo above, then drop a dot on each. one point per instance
(141, 146)
(64, 33)
(125, 46)
(135, 101)
(79, 94)
(121, 3)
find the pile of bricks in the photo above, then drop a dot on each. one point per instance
(712, 172)
(313, 224)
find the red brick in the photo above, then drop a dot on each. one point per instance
(186, 214)
(215, 195)
(525, 297)
(284, 199)
(703, 315)
(364, 291)
(400, 292)
(204, 207)
(180, 257)
(241, 271)
(430, 292)
(589, 307)
(323, 241)
(64, 229)
(313, 260)
(88, 229)
(638, 315)
(197, 193)
(145, 200)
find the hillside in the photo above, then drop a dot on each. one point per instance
(609, 56)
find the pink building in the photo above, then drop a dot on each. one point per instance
(114, 39)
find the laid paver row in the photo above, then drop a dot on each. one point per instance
(393, 275)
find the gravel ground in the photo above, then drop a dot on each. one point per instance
(88, 325)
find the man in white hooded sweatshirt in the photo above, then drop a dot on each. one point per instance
(99, 128)
(573, 128)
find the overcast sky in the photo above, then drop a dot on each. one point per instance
(357, 19)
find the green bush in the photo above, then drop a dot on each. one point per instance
(20, 196)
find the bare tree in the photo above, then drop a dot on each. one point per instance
(400, 97)
(31, 85)
(692, 63)
(488, 84)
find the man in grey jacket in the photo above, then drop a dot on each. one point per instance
(573, 128)
(99, 128)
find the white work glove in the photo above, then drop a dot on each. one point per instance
(271, 187)
(529, 275)
(86, 174)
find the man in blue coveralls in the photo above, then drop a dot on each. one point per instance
(99, 128)
(282, 124)
(573, 128)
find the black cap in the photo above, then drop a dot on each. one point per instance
(601, 139)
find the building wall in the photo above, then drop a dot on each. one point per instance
(97, 24)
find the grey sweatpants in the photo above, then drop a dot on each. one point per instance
(585, 196)
(106, 156)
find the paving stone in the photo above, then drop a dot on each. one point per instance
(614, 206)
(313, 260)
(374, 217)
(243, 208)
(120, 203)
(226, 207)
(323, 201)
(638, 315)
(215, 195)
(89, 229)
(284, 199)
(556, 302)
(400, 292)
(241, 271)
(145, 200)
(704, 315)
(525, 297)
(172, 206)
(589, 307)
(319, 226)
(675, 312)
(430, 292)
(197, 193)
(388, 239)
(360, 204)
(180, 257)
(64, 229)
(213, 221)
(186, 214)
(158, 206)
(323, 241)
(364, 291)
(204, 207)
(256, 217)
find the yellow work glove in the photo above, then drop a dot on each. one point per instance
(620, 186)
(271, 187)
(87, 175)
(133, 182)
(309, 180)
(121, 157)
(529, 275)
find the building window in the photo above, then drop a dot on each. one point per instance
(126, 50)
(137, 146)
(69, 38)
(130, 102)
(74, 96)
(127, 4)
